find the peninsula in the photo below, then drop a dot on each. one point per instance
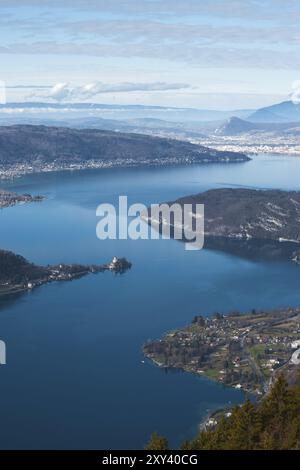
(8, 198)
(17, 274)
(29, 148)
(245, 351)
(239, 215)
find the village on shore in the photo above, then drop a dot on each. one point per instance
(245, 351)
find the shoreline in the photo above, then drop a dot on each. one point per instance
(14, 172)
(64, 273)
(10, 199)
(243, 351)
(209, 420)
(201, 374)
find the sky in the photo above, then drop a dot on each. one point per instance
(221, 54)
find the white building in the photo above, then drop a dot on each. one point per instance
(295, 359)
(113, 263)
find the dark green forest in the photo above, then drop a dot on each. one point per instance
(14, 269)
(271, 424)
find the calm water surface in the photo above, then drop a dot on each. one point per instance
(74, 376)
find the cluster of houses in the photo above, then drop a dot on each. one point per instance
(239, 350)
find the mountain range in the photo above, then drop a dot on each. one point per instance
(280, 118)
(287, 111)
(115, 111)
(236, 126)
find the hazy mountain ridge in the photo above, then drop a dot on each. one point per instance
(120, 111)
(235, 126)
(287, 111)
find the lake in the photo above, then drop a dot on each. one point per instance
(74, 376)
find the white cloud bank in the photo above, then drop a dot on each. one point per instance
(64, 91)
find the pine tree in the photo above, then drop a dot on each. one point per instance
(157, 442)
(273, 423)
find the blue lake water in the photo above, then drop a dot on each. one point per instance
(74, 376)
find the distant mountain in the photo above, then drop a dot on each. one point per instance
(55, 148)
(42, 105)
(235, 126)
(115, 111)
(287, 111)
(150, 126)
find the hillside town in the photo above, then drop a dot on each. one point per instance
(242, 351)
(253, 143)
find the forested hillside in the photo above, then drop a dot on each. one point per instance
(15, 269)
(272, 424)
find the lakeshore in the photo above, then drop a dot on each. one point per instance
(245, 351)
(10, 172)
(18, 275)
(88, 334)
(9, 199)
(52, 149)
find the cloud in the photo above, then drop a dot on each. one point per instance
(59, 92)
(64, 91)
(202, 56)
(25, 87)
(200, 32)
(256, 9)
(220, 33)
(295, 96)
